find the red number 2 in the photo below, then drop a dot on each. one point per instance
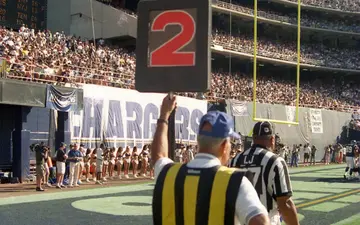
(168, 53)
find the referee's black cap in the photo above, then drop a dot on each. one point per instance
(263, 129)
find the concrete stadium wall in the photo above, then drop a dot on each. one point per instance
(74, 18)
(332, 124)
(20, 126)
(108, 21)
(59, 15)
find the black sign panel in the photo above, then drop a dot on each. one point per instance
(173, 46)
(15, 13)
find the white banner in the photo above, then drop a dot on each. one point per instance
(238, 108)
(122, 117)
(316, 121)
(290, 113)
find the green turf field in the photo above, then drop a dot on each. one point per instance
(322, 196)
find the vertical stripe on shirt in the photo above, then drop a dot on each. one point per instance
(157, 195)
(168, 196)
(191, 185)
(179, 194)
(218, 196)
(277, 187)
(231, 197)
(269, 197)
(205, 189)
(287, 176)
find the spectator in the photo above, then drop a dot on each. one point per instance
(75, 62)
(313, 155)
(82, 152)
(60, 165)
(312, 54)
(74, 158)
(307, 152)
(348, 5)
(40, 154)
(291, 18)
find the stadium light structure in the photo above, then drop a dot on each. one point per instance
(296, 122)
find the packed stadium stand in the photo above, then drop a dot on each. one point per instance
(288, 16)
(348, 5)
(330, 58)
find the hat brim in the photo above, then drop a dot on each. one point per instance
(235, 135)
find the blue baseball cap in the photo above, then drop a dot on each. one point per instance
(221, 125)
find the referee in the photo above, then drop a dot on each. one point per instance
(271, 176)
(202, 191)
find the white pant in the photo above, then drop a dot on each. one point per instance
(74, 173)
(60, 167)
(350, 162)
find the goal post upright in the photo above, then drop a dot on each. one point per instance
(296, 122)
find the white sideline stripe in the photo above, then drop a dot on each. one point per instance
(73, 194)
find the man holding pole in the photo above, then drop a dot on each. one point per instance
(202, 191)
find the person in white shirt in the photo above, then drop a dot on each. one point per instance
(307, 151)
(215, 131)
(178, 155)
(99, 163)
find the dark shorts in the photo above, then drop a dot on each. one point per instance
(306, 155)
(40, 170)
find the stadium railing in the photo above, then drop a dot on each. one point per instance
(275, 19)
(120, 80)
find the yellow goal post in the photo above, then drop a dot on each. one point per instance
(296, 122)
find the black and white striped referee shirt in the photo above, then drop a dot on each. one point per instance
(271, 176)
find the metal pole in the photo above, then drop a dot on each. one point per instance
(255, 58)
(171, 133)
(92, 21)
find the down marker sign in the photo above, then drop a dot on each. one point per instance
(173, 46)
(171, 53)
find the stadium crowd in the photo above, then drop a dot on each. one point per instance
(57, 58)
(313, 54)
(348, 5)
(306, 20)
(48, 57)
(274, 90)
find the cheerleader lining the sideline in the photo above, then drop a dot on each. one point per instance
(87, 164)
(106, 157)
(93, 157)
(112, 156)
(119, 161)
(135, 161)
(127, 161)
(144, 160)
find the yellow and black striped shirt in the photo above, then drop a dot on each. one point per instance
(196, 196)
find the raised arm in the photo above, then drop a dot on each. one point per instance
(159, 148)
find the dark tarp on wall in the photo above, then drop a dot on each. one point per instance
(332, 123)
(14, 92)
